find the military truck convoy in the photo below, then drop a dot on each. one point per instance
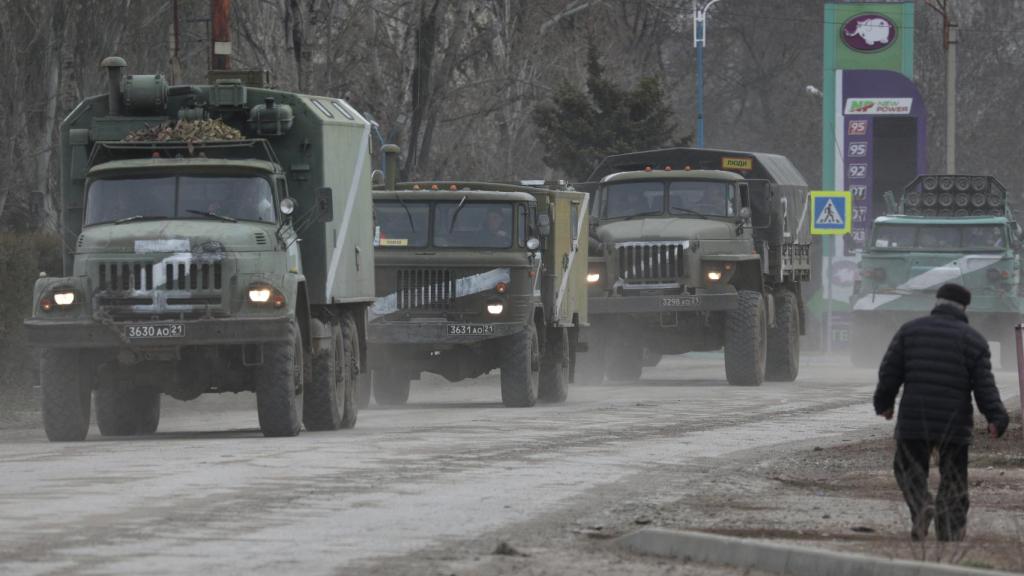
(238, 260)
(475, 276)
(224, 238)
(946, 228)
(698, 250)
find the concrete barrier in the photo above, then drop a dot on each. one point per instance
(780, 558)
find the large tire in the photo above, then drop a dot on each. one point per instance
(352, 349)
(520, 369)
(625, 361)
(555, 367)
(123, 410)
(324, 402)
(390, 386)
(66, 382)
(746, 335)
(784, 340)
(279, 386)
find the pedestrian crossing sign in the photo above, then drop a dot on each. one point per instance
(831, 212)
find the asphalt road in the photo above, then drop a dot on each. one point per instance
(208, 494)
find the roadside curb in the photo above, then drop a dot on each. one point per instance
(779, 558)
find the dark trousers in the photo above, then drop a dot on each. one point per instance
(951, 503)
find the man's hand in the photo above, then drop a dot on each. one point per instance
(887, 414)
(993, 431)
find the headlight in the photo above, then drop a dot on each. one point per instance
(714, 275)
(64, 298)
(260, 295)
(495, 308)
(265, 294)
(593, 277)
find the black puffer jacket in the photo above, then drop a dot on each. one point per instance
(939, 360)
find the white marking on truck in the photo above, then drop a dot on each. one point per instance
(947, 272)
(467, 286)
(349, 203)
(162, 245)
(572, 254)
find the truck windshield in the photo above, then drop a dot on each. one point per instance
(706, 198)
(399, 227)
(180, 197)
(473, 224)
(940, 237)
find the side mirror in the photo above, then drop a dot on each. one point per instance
(544, 224)
(324, 205)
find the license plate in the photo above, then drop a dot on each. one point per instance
(155, 331)
(680, 301)
(470, 329)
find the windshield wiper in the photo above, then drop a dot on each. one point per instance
(213, 215)
(137, 218)
(407, 211)
(677, 209)
(451, 225)
(641, 214)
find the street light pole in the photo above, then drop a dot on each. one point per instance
(699, 39)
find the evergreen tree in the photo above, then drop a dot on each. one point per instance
(580, 127)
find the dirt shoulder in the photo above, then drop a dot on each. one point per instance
(844, 497)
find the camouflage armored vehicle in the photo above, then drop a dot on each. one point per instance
(697, 250)
(946, 229)
(476, 276)
(220, 240)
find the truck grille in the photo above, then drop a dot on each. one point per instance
(651, 261)
(425, 288)
(177, 276)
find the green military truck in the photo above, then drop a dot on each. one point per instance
(475, 276)
(219, 240)
(698, 250)
(947, 228)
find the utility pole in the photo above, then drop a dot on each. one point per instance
(699, 39)
(220, 34)
(950, 38)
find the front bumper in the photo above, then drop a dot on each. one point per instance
(639, 304)
(203, 332)
(435, 332)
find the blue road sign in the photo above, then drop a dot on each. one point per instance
(831, 212)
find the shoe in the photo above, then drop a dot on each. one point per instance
(921, 524)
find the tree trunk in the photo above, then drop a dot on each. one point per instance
(42, 203)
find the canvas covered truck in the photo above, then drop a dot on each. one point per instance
(697, 250)
(219, 239)
(946, 228)
(475, 276)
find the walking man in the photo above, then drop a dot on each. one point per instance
(939, 360)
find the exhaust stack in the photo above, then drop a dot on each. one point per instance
(114, 66)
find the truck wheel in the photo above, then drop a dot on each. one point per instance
(279, 385)
(353, 347)
(555, 367)
(66, 382)
(784, 340)
(390, 386)
(520, 369)
(127, 411)
(625, 361)
(746, 338)
(324, 404)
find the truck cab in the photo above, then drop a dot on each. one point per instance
(688, 255)
(476, 276)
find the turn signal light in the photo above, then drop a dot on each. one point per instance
(501, 288)
(46, 304)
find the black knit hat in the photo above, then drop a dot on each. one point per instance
(954, 293)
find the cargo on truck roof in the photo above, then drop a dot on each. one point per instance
(752, 165)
